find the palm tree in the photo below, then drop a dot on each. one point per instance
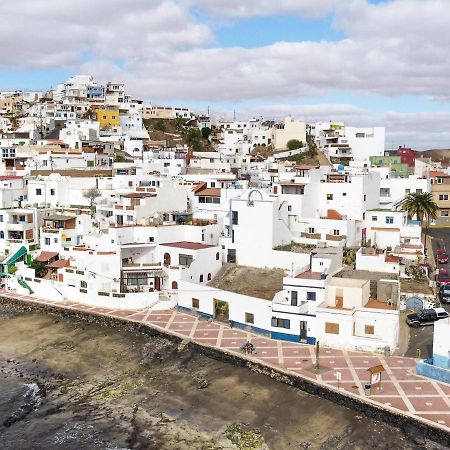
(421, 205)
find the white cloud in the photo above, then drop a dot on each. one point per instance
(391, 49)
(54, 33)
(248, 8)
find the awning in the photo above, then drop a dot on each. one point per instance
(45, 256)
(11, 259)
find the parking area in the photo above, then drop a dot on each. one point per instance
(422, 338)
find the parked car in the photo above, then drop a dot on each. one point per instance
(426, 317)
(442, 278)
(442, 256)
(444, 294)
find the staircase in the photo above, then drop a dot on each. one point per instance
(25, 285)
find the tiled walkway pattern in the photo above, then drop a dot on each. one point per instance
(401, 388)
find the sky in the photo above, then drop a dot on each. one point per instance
(366, 62)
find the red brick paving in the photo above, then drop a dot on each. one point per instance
(394, 402)
(298, 358)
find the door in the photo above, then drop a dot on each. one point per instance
(119, 220)
(221, 311)
(303, 330)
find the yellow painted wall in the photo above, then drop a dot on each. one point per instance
(108, 117)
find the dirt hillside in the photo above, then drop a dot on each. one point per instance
(261, 283)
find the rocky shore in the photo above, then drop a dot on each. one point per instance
(73, 381)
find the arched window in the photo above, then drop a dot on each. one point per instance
(217, 256)
(209, 277)
(201, 278)
(166, 259)
(174, 285)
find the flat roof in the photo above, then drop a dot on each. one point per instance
(376, 304)
(139, 195)
(347, 282)
(310, 275)
(188, 245)
(60, 217)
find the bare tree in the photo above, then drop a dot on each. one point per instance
(91, 194)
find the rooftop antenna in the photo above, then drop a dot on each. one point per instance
(234, 115)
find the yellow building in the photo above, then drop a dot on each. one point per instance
(108, 117)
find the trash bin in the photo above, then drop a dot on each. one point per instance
(367, 387)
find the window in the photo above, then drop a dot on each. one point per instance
(344, 194)
(83, 284)
(195, 303)
(39, 191)
(365, 197)
(311, 230)
(443, 196)
(52, 192)
(419, 191)
(369, 329)
(249, 318)
(2, 235)
(444, 213)
(331, 328)
(209, 277)
(336, 233)
(329, 196)
(185, 260)
(407, 191)
(235, 217)
(389, 219)
(47, 241)
(1, 218)
(311, 296)
(217, 256)
(281, 323)
(201, 278)
(294, 298)
(55, 240)
(130, 218)
(374, 218)
(289, 208)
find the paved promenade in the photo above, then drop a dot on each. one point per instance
(401, 388)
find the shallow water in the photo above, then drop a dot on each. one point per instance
(67, 384)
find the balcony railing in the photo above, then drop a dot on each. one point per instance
(332, 237)
(311, 235)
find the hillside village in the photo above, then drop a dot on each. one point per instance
(293, 230)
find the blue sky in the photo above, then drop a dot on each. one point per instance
(365, 62)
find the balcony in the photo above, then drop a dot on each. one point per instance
(282, 303)
(332, 237)
(19, 226)
(310, 235)
(51, 230)
(15, 236)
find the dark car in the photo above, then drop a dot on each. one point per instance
(442, 256)
(442, 278)
(444, 294)
(426, 317)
